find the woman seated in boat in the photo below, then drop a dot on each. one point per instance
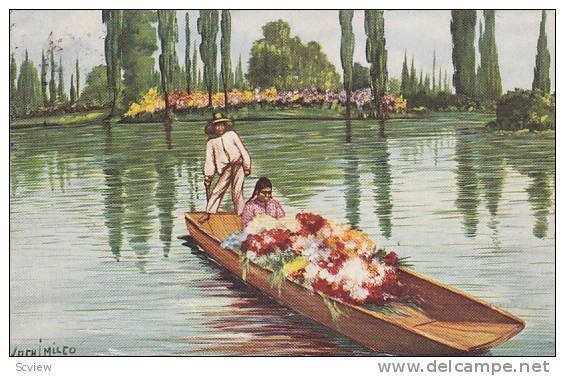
(261, 202)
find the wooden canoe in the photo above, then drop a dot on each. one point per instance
(448, 321)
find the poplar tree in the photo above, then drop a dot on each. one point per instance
(43, 78)
(427, 84)
(542, 81)
(28, 90)
(187, 63)
(72, 93)
(195, 82)
(413, 87)
(239, 75)
(61, 85)
(225, 48)
(77, 72)
(346, 55)
(169, 36)
(488, 74)
(52, 85)
(463, 24)
(405, 78)
(434, 73)
(376, 54)
(13, 88)
(208, 29)
(113, 53)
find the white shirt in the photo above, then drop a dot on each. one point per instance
(223, 151)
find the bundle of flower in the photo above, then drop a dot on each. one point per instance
(330, 258)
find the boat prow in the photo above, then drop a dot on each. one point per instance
(447, 321)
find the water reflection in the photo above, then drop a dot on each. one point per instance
(382, 186)
(113, 195)
(467, 180)
(351, 181)
(165, 198)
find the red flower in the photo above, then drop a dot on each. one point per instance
(391, 259)
(310, 223)
(267, 241)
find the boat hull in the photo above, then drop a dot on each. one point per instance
(394, 334)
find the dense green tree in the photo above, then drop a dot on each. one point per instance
(427, 89)
(61, 86)
(139, 42)
(239, 74)
(13, 88)
(96, 88)
(113, 19)
(194, 67)
(405, 78)
(286, 63)
(393, 86)
(376, 54)
(77, 72)
(225, 48)
(434, 73)
(169, 36)
(28, 88)
(43, 78)
(52, 84)
(187, 62)
(413, 80)
(346, 54)
(359, 77)
(543, 60)
(72, 92)
(208, 29)
(463, 24)
(489, 84)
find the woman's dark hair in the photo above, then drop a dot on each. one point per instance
(262, 183)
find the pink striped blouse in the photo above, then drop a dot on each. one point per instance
(254, 207)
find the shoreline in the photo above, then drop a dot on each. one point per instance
(86, 118)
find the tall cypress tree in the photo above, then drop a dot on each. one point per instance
(52, 85)
(72, 93)
(13, 88)
(225, 47)
(239, 74)
(543, 61)
(376, 54)
(169, 36)
(139, 42)
(405, 78)
(61, 86)
(113, 19)
(187, 63)
(488, 74)
(346, 54)
(43, 78)
(195, 82)
(28, 90)
(434, 73)
(208, 29)
(463, 24)
(77, 72)
(413, 87)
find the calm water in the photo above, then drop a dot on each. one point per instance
(96, 212)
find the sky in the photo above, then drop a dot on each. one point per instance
(80, 33)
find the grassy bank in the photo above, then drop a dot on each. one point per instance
(59, 120)
(247, 114)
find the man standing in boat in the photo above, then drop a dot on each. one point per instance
(227, 157)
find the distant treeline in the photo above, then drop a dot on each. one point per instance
(276, 60)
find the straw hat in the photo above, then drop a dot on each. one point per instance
(217, 118)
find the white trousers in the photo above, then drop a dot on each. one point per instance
(233, 175)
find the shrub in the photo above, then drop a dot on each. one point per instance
(525, 109)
